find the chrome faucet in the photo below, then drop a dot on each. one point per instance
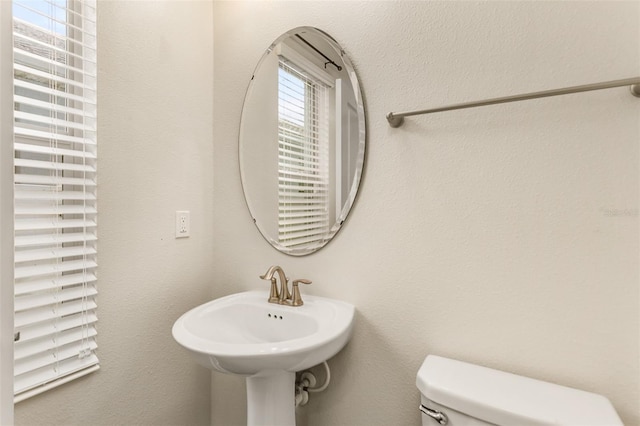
(283, 296)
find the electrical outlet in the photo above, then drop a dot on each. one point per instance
(182, 224)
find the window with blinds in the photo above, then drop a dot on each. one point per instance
(55, 192)
(303, 163)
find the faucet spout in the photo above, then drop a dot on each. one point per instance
(283, 295)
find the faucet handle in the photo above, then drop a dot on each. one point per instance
(297, 299)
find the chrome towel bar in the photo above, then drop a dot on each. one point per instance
(396, 119)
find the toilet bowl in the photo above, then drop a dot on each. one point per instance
(456, 393)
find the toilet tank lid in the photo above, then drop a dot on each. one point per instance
(508, 399)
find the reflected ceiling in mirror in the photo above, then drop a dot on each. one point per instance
(302, 141)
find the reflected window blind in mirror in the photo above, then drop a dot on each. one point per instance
(303, 169)
(55, 192)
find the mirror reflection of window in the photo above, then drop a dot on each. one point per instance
(304, 96)
(303, 157)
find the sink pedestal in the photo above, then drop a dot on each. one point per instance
(271, 399)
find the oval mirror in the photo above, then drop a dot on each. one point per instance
(302, 141)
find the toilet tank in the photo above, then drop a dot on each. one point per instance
(480, 395)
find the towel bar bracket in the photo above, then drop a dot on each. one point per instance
(394, 121)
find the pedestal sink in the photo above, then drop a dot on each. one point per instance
(243, 334)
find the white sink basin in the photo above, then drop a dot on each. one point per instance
(244, 334)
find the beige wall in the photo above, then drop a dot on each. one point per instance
(505, 236)
(155, 157)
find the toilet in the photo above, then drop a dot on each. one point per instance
(456, 393)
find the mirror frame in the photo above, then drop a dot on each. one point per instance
(362, 145)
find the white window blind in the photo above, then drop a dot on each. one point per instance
(55, 192)
(303, 163)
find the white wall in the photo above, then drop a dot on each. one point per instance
(6, 215)
(155, 157)
(505, 236)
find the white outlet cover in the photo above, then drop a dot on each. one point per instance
(183, 225)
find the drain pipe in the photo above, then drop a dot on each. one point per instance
(326, 380)
(307, 384)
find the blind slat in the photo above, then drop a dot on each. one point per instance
(47, 120)
(49, 298)
(297, 175)
(54, 223)
(54, 20)
(56, 326)
(53, 268)
(48, 91)
(59, 53)
(315, 204)
(288, 220)
(87, 113)
(53, 239)
(300, 241)
(42, 376)
(47, 136)
(34, 346)
(303, 162)
(51, 357)
(45, 75)
(52, 165)
(42, 284)
(311, 228)
(55, 253)
(43, 194)
(22, 209)
(23, 56)
(292, 214)
(37, 315)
